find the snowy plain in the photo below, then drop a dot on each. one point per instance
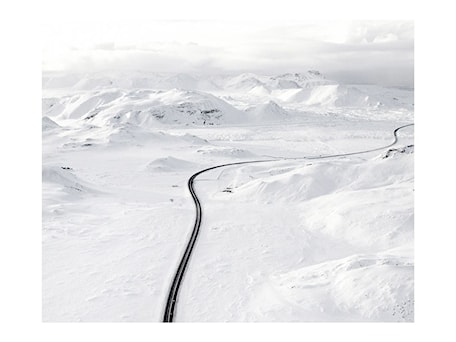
(288, 240)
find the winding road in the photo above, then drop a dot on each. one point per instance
(173, 293)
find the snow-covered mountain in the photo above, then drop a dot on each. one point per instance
(360, 96)
(142, 108)
(251, 81)
(197, 99)
(308, 79)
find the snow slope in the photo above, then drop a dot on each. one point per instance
(355, 96)
(323, 241)
(378, 286)
(266, 112)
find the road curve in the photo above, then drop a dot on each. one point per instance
(171, 302)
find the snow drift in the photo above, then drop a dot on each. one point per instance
(361, 287)
(65, 178)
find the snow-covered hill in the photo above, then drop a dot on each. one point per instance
(145, 108)
(268, 112)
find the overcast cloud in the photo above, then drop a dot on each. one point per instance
(379, 52)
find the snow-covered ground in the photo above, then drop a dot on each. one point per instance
(289, 240)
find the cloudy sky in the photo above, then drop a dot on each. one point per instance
(380, 52)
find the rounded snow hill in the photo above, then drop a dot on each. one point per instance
(267, 112)
(169, 164)
(194, 107)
